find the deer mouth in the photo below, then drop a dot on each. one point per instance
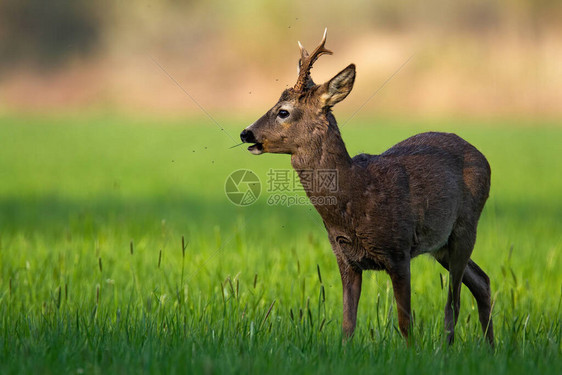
(256, 148)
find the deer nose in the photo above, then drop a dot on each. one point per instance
(247, 136)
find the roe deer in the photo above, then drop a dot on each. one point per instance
(423, 195)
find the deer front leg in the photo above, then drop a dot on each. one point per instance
(400, 277)
(351, 282)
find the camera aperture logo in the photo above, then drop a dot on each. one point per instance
(242, 187)
(286, 187)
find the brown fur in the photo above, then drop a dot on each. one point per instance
(423, 195)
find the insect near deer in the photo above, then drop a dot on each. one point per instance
(423, 195)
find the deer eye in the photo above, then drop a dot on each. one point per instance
(283, 113)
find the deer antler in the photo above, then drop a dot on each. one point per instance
(305, 64)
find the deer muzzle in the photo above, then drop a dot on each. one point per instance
(247, 136)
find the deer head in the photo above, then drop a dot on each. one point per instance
(302, 111)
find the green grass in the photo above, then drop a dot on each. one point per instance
(245, 294)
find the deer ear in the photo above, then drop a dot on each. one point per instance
(336, 89)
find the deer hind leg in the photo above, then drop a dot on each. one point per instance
(455, 257)
(479, 285)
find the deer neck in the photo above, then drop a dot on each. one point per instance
(326, 153)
